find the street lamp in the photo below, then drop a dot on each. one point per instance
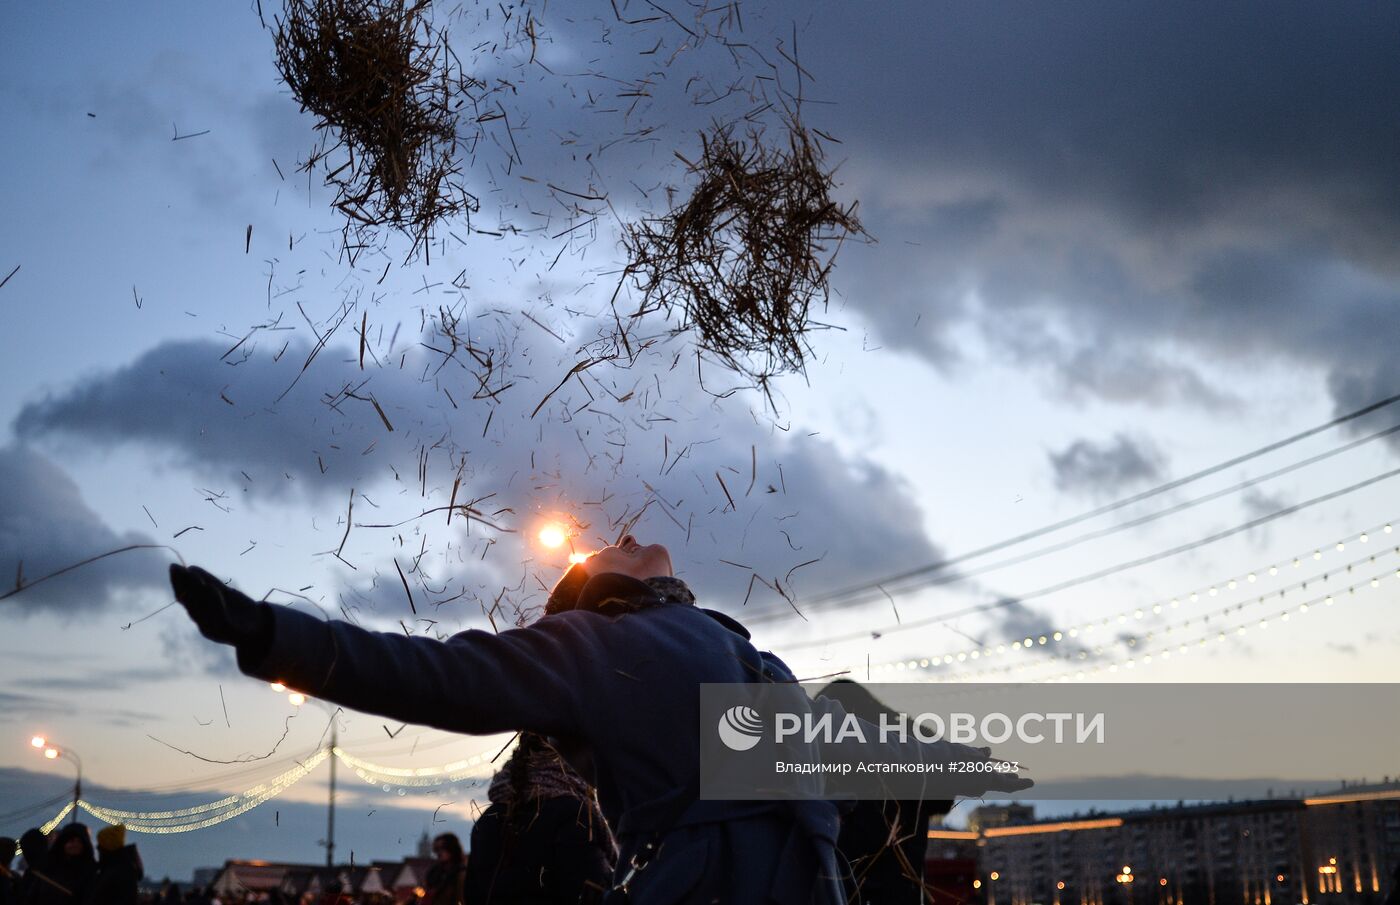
(297, 699)
(53, 752)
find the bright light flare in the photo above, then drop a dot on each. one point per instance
(296, 698)
(576, 558)
(38, 741)
(278, 687)
(51, 753)
(553, 536)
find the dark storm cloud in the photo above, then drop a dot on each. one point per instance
(46, 526)
(1106, 468)
(721, 485)
(221, 416)
(1122, 195)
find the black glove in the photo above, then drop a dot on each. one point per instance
(221, 613)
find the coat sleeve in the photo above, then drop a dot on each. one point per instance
(475, 682)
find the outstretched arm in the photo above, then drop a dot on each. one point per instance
(478, 682)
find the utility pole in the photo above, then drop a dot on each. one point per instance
(330, 809)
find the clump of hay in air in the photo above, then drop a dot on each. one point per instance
(742, 261)
(385, 90)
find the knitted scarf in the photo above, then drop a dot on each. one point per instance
(672, 590)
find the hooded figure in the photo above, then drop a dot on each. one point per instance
(119, 869)
(615, 679)
(543, 839)
(36, 851)
(66, 875)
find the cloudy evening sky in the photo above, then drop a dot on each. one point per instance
(1113, 245)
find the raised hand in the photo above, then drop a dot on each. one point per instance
(222, 613)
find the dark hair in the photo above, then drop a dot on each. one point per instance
(566, 591)
(7, 851)
(451, 843)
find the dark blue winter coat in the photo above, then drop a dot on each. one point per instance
(622, 690)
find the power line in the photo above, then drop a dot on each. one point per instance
(1101, 573)
(1051, 636)
(941, 565)
(1218, 633)
(21, 813)
(963, 575)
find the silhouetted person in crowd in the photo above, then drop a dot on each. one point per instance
(36, 851)
(447, 875)
(119, 869)
(612, 674)
(883, 842)
(9, 883)
(543, 839)
(66, 874)
(1393, 898)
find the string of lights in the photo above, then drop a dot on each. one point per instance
(145, 816)
(895, 584)
(57, 819)
(943, 564)
(477, 766)
(1116, 568)
(1156, 607)
(1224, 633)
(1284, 614)
(198, 817)
(178, 821)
